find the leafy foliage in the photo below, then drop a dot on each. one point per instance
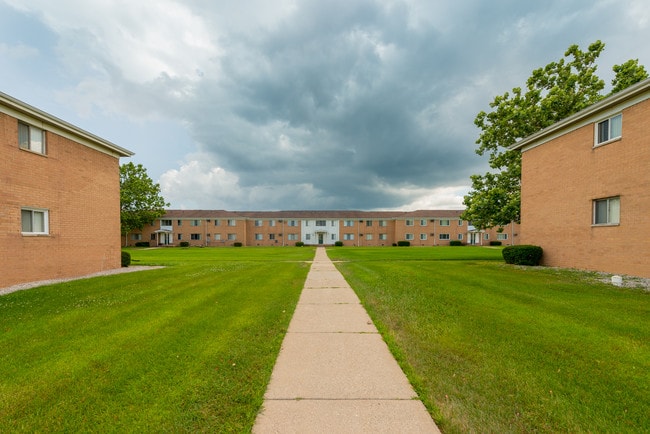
(552, 93)
(140, 198)
(522, 255)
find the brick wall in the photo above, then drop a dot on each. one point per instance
(560, 180)
(79, 187)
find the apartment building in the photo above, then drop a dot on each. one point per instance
(59, 198)
(585, 196)
(216, 228)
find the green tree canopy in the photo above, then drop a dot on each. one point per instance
(552, 93)
(140, 198)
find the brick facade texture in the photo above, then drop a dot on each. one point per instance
(79, 187)
(561, 179)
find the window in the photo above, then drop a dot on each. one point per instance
(348, 237)
(195, 236)
(258, 223)
(232, 237)
(136, 237)
(34, 221)
(383, 237)
(271, 236)
(444, 222)
(292, 237)
(348, 223)
(443, 236)
(232, 222)
(217, 237)
(179, 222)
(409, 222)
(408, 237)
(217, 222)
(423, 222)
(609, 129)
(333, 237)
(502, 237)
(271, 223)
(333, 223)
(321, 223)
(607, 211)
(153, 237)
(180, 237)
(308, 237)
(382, 223)
(369, 237)
(486, 236)
(259, 237)
(460, 236)
(195, 222)
(31, 138)
(292, 223)
(460, 222)
(423, 237)
(368, 223)
(165, 222)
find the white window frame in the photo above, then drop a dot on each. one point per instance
(348, 223)
(502, 237)
(232, 237)
(232, 222)
(423, 237)
(258, 223)
(368, 237)
(612, 211)
(444, 237)
(33, 211)
(259, 237)
(382, 223)
(195, 237)
(383, 237)
(408, 237)
(460, 237)
(348, 237)
(409, 222)
(423, 222)
(292, 237)
(195, 223)
(27, 138)
(614, 130)
(444, 222)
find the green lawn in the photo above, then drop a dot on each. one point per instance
(496, 348)
(186, 348)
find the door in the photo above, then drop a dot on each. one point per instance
(320, 238)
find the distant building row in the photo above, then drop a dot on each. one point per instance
(286, 228)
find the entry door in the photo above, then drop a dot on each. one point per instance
(320, 238)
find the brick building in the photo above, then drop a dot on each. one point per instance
(585, 196)
(215, 228)
(59, 198)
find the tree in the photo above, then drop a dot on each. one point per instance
(140, 199)
(551, 94)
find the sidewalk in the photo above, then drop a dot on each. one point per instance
(334, 373)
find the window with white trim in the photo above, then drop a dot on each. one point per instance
(292, 223)
(217, 237)
(368, 237)
(272, 223)
(444, 222)
(607, 211)
(423, 222)
(321, 223)
(34, 221)
(609, 129)
(195, 222)
(409, 222)
(259, 237)
(195, 237)
(382, 223)
(460, 236)
(232, 237)
(423, 237)
(292, 237)
(348, 223)
(136, 237)
(383, 237)
(165, 222)
(502, 237)
(460, 222)
(31, 138)
(408, 237)
(271, 236)
(348, 237)
(258, 223)
(232, 222)
(443, 236)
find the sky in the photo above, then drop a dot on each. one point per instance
(265, 105)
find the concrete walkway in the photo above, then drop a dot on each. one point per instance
(334, 373)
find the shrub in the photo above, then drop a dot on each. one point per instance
(522, 255)
(403, 243)
(142, 244)
(339, 244)
(126, 259)
(495, 243)
(299, 244)
(185, 244)
(237, 244)
(456, 243)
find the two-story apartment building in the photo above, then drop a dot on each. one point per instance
(215, 228)
(59, 197)
(585, 195)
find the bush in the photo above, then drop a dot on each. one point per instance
(299, 244)
(126, 259)
(495, 243)
(237, 244)
(456, 243)
(522, 255)
(403, 243)
(339, 244)
(185, 244)
(142, 244)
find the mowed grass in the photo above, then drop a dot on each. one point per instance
(497, 348)
(186, 348)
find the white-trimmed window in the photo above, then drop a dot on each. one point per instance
(486, 236)
(423, 237)
(444, 222)
(502, 237)
(460, 222)
(348, 223)
(460, 236)
(258, 223)
(444, 236)
(272, 223)
(308, 237)
(292, 237)
(271, 236)
(321, 223)
(409, 222)
(382, 223)
(232, 222)
(292, 223)
(195, 222)
(607, 211)
(34, 221)
(408, 237)
(195, 237)
(609, 129)
(368, 223)
(165, 222)
(348, 237)
(423, 222)
(232, 237)
(31, 138)
(383, 237)
(136, 237)
(368, 237)
(333, 237)
(217, 222)
(259, 237)
(217, 237)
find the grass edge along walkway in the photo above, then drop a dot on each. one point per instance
(496, 348)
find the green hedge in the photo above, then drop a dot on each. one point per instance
(338, 243)
(299, 244)
(522, 255)
(185, 244)
(237, 244)
(142, 244)
(456, 243)
(403, 243)
(126, 259)
(495, 243)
